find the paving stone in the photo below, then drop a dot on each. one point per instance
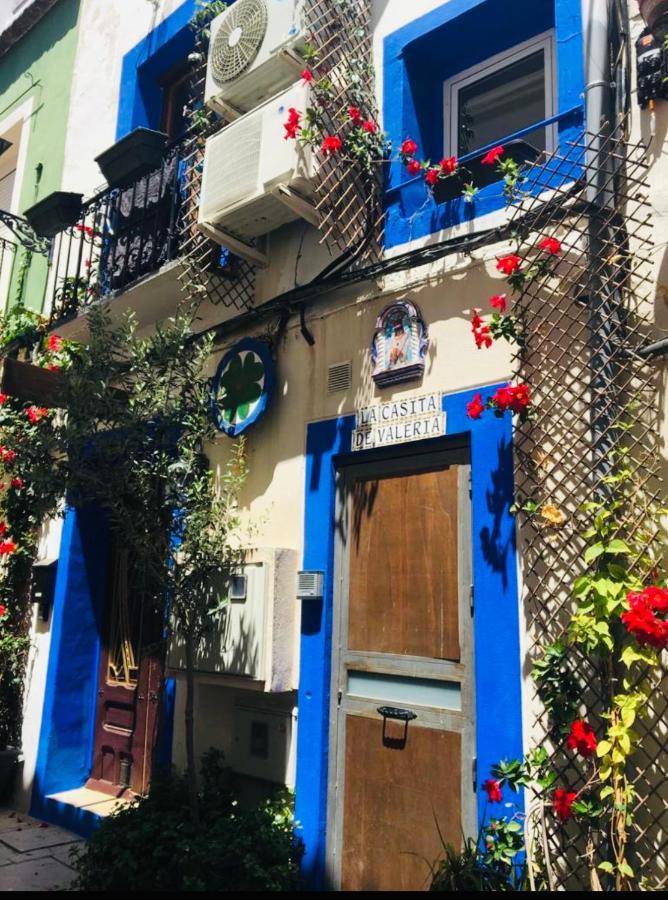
(62, 854)
(35, 838)
(10, 821)
(44, 874)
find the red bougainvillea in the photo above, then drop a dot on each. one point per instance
(481, 332)
(562, 801)
(498, 302)
(509, 264)
(449, 165)
(582, 738)
(641, 619)
(509, 398)
(475, 408)
(550, 245)
(36, 414)
(331, 144)
(489, 159)
(293, 124)
(408, 148)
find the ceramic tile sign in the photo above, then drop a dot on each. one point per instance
(242, 386)
(399, 344)
(398, 422)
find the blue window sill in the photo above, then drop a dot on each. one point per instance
(412, 211)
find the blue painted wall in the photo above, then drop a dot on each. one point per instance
(66, 739)
(419, 57)
(140, 95)
(496, 622)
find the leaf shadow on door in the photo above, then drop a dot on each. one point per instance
(499, 540)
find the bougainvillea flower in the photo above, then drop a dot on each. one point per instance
(490, 158)
(483, 337)
(562, 801)
(55, 343)
(3, 529)
(53, 367)
(498, 301)
(331, 145)
(3, 610)
(369, 126)
(550, 245)
(36, 414)
(8, 456)
(493, 790)
(641, 619)
(408, 148)
(17, 483)
(413, 167)
(306, 76)
(432, 177)
(514, 398)
(508, 264)
(292, 125)
(355, 115)
(476, 407)
(582, 738)
(7, 547)
(3, 398)
(448, 165)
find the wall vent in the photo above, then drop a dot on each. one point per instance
(339, 377)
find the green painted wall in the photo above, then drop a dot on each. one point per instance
(46, 54)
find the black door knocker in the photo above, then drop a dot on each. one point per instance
(399, 715)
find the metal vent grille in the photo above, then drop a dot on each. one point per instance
(231, 177)
(238, 39)
(309, 585)
(339, 377)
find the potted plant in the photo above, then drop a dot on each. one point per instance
(133, 156)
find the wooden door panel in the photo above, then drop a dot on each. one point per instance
(393, 800)
(403, 587)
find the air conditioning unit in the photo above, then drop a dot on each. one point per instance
(254, 52)
(255, 638)
(253, 179)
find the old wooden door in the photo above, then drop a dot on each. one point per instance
(128, 687)
(402, 764)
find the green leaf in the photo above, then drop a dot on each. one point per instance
(593, 552)
(604, 747)
(606, 867)
(617, 546)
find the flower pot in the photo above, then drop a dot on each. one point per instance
(9, 763)
(655, 14)
(133, 156)
(54, 213)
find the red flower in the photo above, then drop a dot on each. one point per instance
(3, 399)
(508, 264)
(7, 547)
(516, 399)
(562, 801)
(582, 738)
(449, 165)
(493, 790)
(306, 76)
(355, 115)
(292, 126)
(3, 529)
(550, 245)
(490, 158)
(53, 367)
(432, 177)
(8, 456)
(408, 148)
(641, 618)
(498, 301)
(3, 610)
(483, 337)
(85, 229)
(17, 483)
(413, 166)
(36, 413)
(369, 126)
(55, 343)
(475, 409)
(331, 145)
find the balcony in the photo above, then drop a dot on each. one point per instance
(125, 242)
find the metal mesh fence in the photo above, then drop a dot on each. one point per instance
(585, 320)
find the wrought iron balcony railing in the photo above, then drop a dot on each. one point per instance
(7, 257)
(122, 235)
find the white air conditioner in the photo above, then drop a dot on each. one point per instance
(253, 179)
(254, 52)
(255, 638)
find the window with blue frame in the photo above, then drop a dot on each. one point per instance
(467, 76)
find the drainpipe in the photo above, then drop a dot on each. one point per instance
(602, 295)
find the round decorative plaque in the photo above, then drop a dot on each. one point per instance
(242, 386)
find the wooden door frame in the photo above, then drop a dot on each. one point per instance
(401, 460)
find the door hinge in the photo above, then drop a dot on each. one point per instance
(471, 598)
(339, 697)
(470, 484)
(474, 773)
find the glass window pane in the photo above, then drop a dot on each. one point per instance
(502, 103)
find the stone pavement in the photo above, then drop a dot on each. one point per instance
(34, 856)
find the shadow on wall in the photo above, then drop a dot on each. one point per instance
(496, 548)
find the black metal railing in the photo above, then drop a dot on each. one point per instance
(122, 235)
(8, 251)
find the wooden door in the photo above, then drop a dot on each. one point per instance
(402, 764)
(128, 687)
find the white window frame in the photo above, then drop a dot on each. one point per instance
(453, 86)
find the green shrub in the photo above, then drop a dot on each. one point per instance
(153, 844)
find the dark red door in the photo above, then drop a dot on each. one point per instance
(128, 686)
